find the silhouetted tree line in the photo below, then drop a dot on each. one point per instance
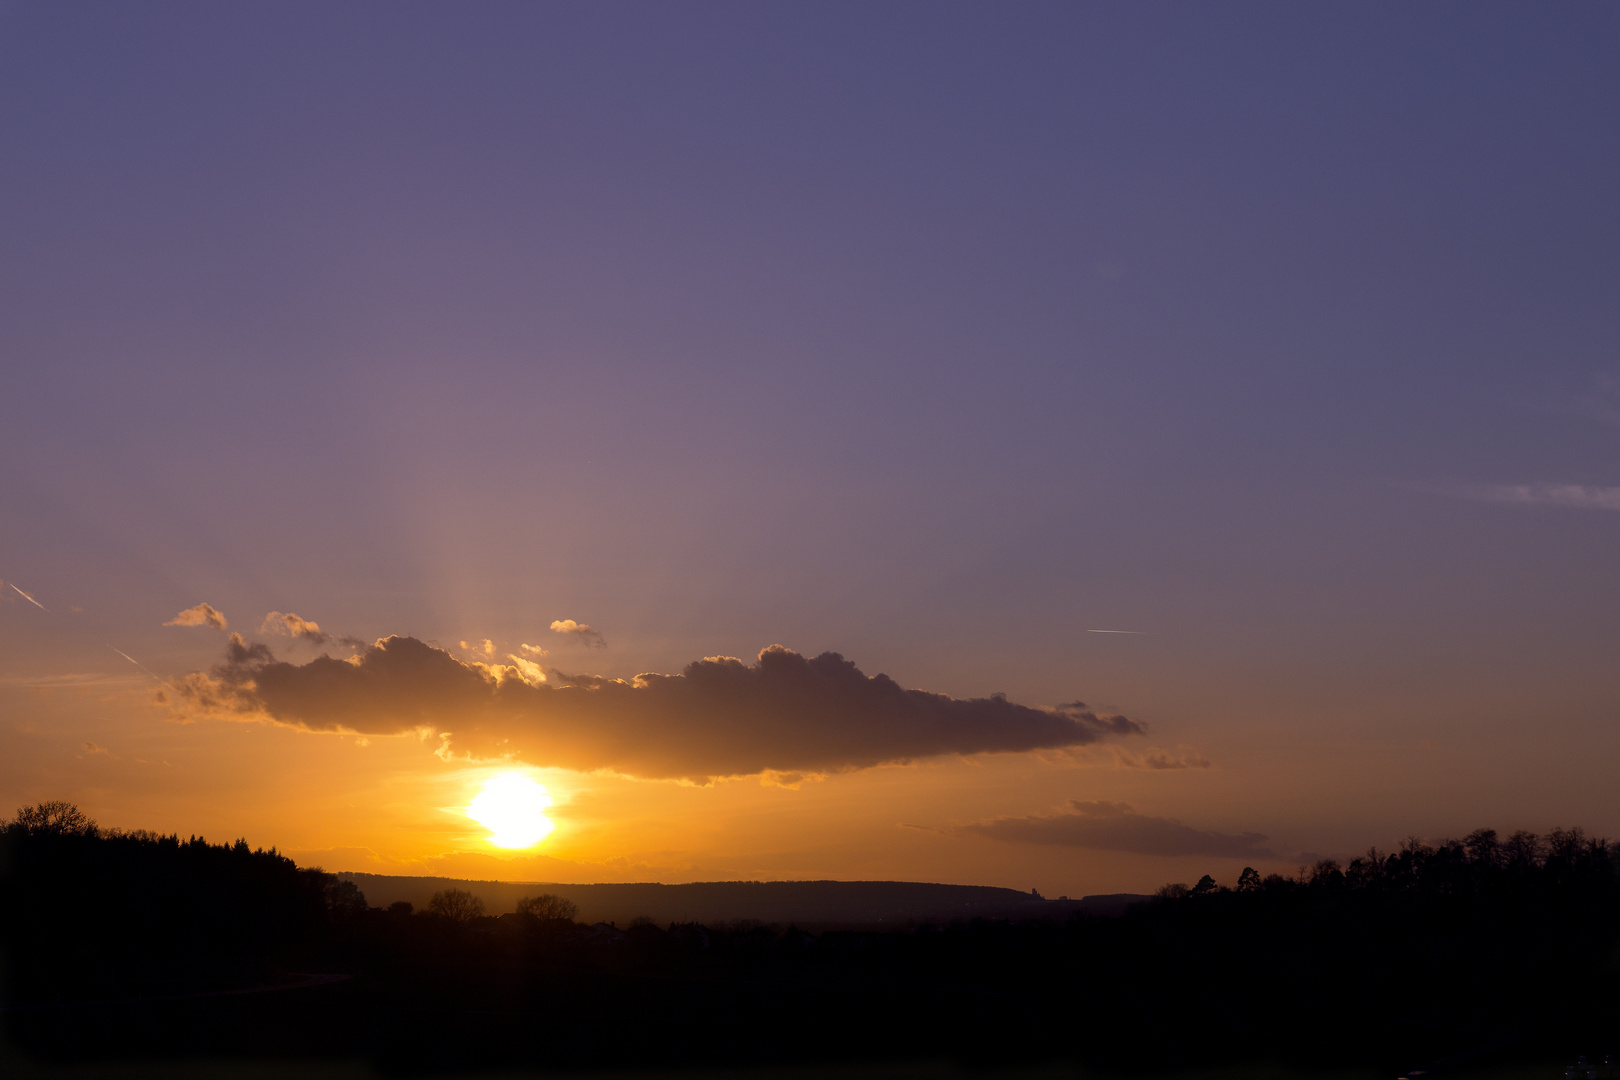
(92, 913)
(1476, 942)
(1394, 959)
(1478, 865)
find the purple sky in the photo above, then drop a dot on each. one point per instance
(935, 335)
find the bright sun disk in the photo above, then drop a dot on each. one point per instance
(512, 807)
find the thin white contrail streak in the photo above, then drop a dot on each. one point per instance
(138, 664)
(1119, 631)
(30, 599)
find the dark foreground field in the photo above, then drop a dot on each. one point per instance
(1479, 956)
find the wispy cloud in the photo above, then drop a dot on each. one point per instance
(64, 679)
(580, 632)
(201, 615)
(1115, 826)
(785, 713)
(1158, 758)
(1575, 496)
(1154, 758)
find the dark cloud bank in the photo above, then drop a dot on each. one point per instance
(1110, 826)
(719, 717)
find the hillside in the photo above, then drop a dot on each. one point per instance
(818, 903)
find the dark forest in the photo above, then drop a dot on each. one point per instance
(132, 944)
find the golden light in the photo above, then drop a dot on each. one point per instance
(513, 808)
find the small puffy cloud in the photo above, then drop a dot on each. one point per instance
(580, 632)
(487, 647)
(785, 714)
(532, 650)
(1114, 826)
(286, 624)
(201, 615)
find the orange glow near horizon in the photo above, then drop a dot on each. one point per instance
(512, 807)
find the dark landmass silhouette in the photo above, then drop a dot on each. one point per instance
(128, 946)
(805, 904)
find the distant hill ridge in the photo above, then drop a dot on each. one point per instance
(827, 903)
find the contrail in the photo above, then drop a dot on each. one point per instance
(1119, 631)
(30, 599)
(138, 664)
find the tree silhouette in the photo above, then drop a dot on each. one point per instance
(455, 905)
(547, 907)
(344, 898)
(1483, 847)
(53, 818)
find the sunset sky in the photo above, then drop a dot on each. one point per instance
(504, 353)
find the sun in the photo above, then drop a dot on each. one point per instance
(513, 808)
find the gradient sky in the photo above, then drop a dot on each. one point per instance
(934, 335)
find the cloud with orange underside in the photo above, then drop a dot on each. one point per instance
(785, 714)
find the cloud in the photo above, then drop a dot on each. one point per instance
(487, 647)
(1577, 496)
(1119, 757)
(92, 748)
(1111, 826)
(720, 717)
(1157, 757)
(300, 629)
(579, 632)
(201, 615)
(527, 670)
(793, 781)
(532, 650)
